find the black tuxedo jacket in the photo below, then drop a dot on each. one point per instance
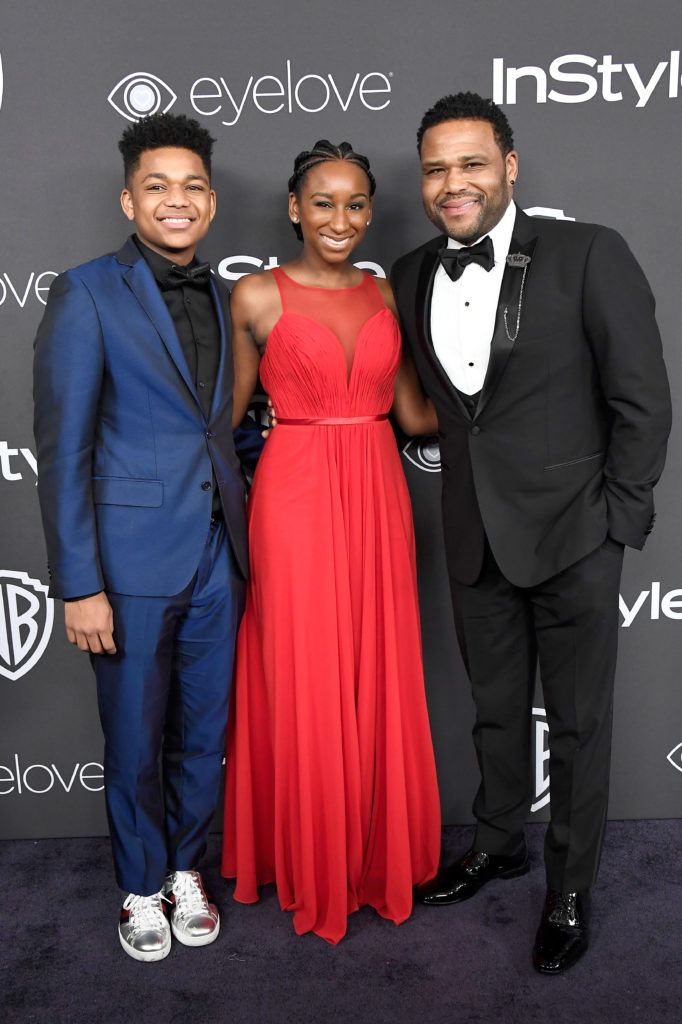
(570, 433)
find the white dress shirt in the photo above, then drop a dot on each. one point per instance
(463, 311)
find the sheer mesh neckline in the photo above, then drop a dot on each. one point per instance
(321, 288)
(343, 311)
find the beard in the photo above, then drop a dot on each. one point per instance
(491, 209)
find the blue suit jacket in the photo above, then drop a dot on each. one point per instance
(124, 450)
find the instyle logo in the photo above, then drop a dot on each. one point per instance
(22, 289)
(583, 77)
(675, 757)
(652, 605)
(13, 460)
(540, 759)
(43, 778)
(233, 267)
(26, 619)
(288, 91)
(141, 94)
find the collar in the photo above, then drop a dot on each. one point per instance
(501, 234)
(157, 263)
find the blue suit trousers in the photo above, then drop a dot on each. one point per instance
(163, 700)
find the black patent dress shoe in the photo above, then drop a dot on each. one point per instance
(462, 880)
(562, 935)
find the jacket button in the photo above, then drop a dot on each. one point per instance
(476, 431)
(206, 485)
(209, 434)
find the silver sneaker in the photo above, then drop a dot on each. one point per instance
(195, 921)
(143, 927)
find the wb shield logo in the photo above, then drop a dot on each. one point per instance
(540, 760)
(424, 454)
(26, 617)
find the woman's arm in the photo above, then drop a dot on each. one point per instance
(245, 350)
(415, 413)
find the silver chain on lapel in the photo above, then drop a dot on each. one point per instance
(517, 260)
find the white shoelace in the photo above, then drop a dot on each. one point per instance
(190, 897)
(145, 913)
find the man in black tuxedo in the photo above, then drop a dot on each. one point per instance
(536, 341)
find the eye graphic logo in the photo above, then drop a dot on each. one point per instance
(675, 757)
(541, 760)
(424, 454)
(26, 618)
(141, 94)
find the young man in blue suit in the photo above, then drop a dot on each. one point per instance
(142, 500)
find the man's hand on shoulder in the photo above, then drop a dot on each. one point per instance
(90, 624)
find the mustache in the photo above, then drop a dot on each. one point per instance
(458, 195)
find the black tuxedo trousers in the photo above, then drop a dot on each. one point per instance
(568, 625)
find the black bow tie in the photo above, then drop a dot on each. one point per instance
(197, 276)
(455, 260)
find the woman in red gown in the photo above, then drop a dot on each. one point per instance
(331, 786)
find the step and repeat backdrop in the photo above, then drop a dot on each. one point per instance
(594, 94)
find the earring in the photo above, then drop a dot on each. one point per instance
(368, 223)
(512, 181)
(294, 220)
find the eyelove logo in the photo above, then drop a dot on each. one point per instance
(424, 453)
(652, 604)
(141, 94)
(288, 92)
(42, 778)
(22, 289)
(26, 618)
(608, 77)
(11, 464)
(675, 757)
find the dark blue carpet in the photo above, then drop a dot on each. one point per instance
(60, 960)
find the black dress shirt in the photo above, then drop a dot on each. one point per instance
(194, 317)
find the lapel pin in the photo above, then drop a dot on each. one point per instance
(518, 259)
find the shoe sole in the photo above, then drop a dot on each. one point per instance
(504, 875)
(141, 956)
(198, 940)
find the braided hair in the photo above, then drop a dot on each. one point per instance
(323, 151)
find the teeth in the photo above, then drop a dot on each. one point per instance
(176, 220)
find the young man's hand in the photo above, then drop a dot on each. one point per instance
(90, 624)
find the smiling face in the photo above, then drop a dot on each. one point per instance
(170, 199)
(333, 209)
(466, 181)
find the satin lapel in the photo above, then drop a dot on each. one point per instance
(501, 345)
(221, 308)
(140, 280)
(427, 273)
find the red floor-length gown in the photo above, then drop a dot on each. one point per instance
(331, 785)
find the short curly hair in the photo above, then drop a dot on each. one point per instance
(160, 130)
(322, 151)
(469, 106)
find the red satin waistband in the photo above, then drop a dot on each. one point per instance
(331, 421)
